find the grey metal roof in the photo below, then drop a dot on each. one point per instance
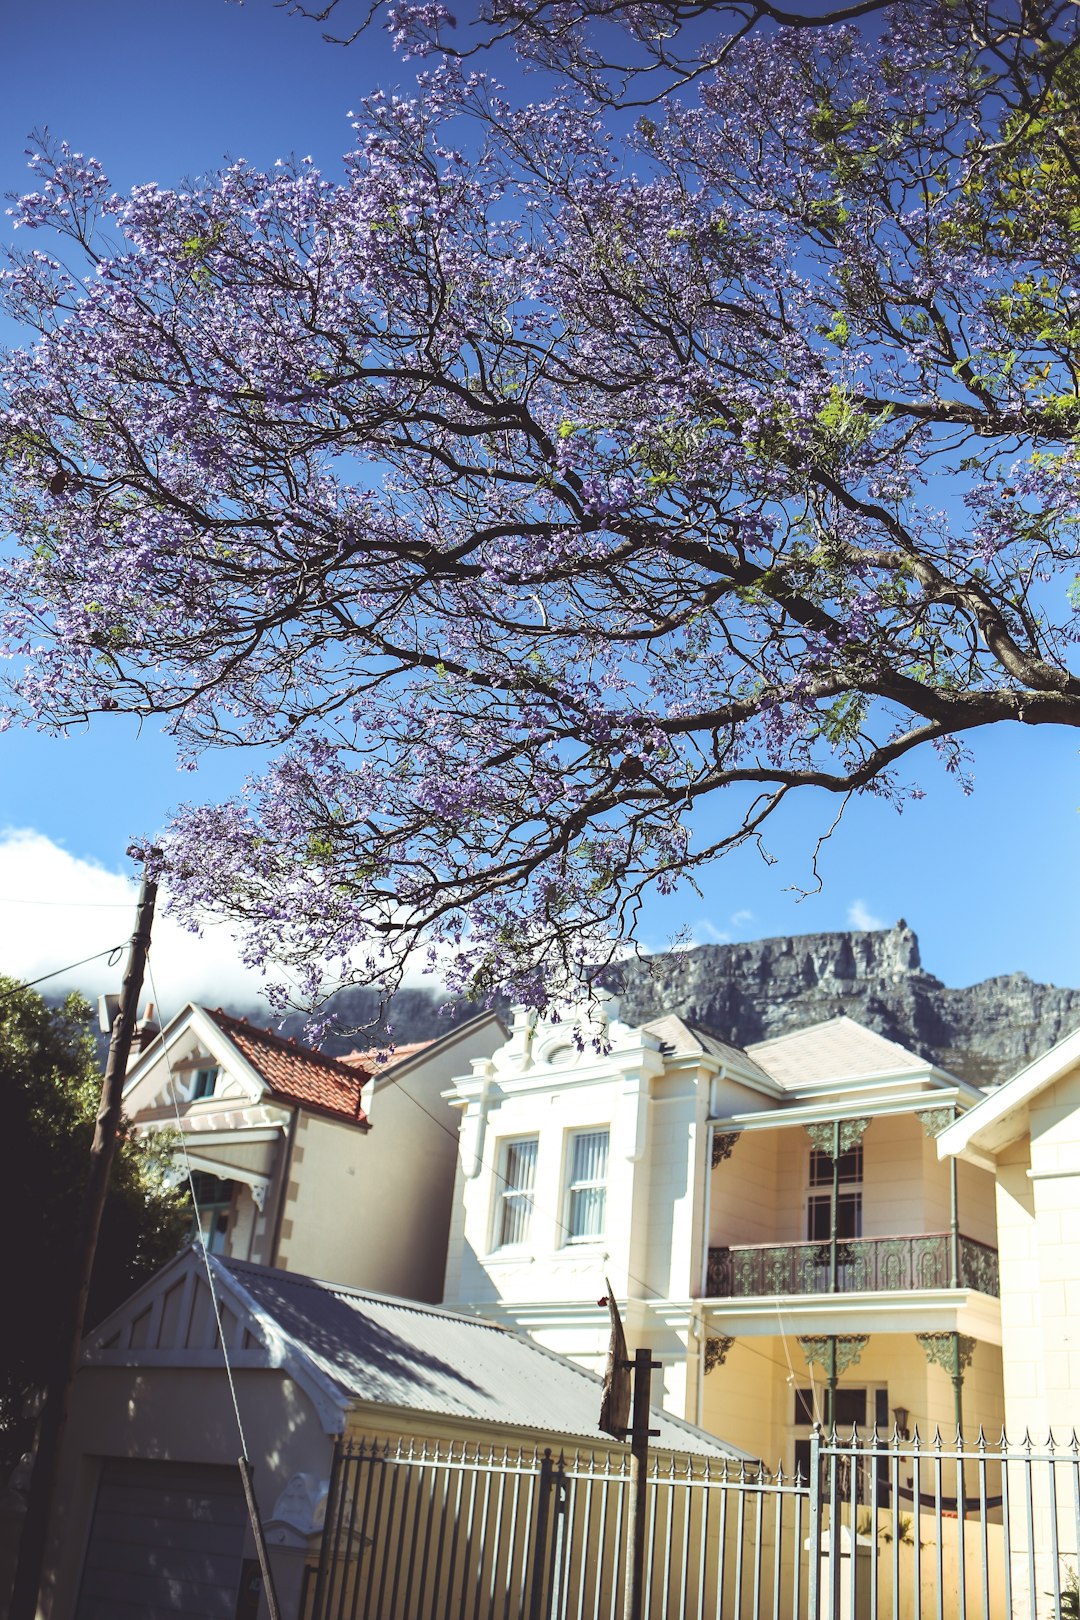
(679, 1037)
(398, 1353)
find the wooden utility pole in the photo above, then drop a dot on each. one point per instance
(24, 1598)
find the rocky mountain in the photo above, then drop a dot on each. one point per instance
(984, 1032)
(748, 992)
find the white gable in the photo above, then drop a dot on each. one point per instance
(166, 1070)
(173, 1321)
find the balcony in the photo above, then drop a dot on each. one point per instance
(889, 1265)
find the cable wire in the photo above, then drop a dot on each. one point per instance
(199, 1244)
(114, 954)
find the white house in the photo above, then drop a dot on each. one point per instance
(775, 1222)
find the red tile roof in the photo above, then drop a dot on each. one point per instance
(295, 1073)
(369, 1059)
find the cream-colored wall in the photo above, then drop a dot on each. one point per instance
(1055, 1176)
(409, 1165)
(759, 1194)
(323, 1230)
(546, 1266)
(749, 1400)
(1038, 1199)
(180, 1415)
(903, 1186)
(749, 1189)
(663, 1258)
(1021, 1299)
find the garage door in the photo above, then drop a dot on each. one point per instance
(166, 1540)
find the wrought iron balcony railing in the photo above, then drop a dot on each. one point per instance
(875, 1265)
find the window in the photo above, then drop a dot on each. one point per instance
(849, 1196)
(204, 1083)
(854, 1406)
(516, 1190)
(588, 1186)
(850, 1406)
(210, 1221)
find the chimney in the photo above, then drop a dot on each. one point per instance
(147, 1030)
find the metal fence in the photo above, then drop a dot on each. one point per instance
(883, 1529)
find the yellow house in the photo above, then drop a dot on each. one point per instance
(775, 1222)
(298, 1158)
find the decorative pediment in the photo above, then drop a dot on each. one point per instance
(175, 1321)
(193, 1065)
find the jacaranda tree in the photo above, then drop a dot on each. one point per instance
(557, 470)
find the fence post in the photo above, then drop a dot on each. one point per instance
(555, 1600)
(813, 1540)
(540, 1536)
(637, 1503)
(329, 1523)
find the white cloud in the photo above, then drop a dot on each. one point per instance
(860, 917)
(739, 919)
(56, 909)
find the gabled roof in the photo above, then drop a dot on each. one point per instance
(369, 1057)
(1004, 1116)
(395, 1352)
(347, 1348)
(295, 1073)
(838, 1049)
(678, 1037)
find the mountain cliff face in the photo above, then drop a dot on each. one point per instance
(766, 987)
(984, 1033)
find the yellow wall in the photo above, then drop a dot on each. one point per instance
(759, 1194)
(749, 1400)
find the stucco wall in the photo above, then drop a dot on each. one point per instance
(545, 1266)
(180, 1415)
(323, 1231)
(1055, 1176)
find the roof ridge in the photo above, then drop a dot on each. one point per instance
(310, 1054)
(325, 1286)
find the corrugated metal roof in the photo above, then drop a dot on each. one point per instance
(398, 1353)
(838, 1049)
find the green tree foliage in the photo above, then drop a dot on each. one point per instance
(50, 1083)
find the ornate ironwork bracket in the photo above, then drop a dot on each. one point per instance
(817, 1348)
(951, 1351)
(934, 1120)
(722, 1144)
(716, 1350)
(823, 1134)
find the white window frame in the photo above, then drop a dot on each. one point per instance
(510, 1196)
(585, 1184)
(212, 1071)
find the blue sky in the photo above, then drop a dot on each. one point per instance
(163, 89)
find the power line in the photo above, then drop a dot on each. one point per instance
(68, 905)
(114, 954)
